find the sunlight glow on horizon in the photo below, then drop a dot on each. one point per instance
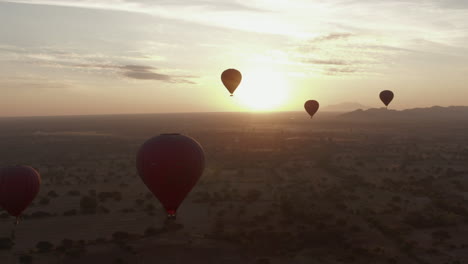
(136, 56)
(263, 90)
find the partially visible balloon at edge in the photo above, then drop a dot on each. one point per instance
(19, 185)
(231, 79)
(311, 107)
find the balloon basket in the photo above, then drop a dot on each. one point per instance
(171, 217)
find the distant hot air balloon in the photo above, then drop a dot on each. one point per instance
(231, 78)
(386, 97)
(19, 185)
(311, 107)
(170, 166)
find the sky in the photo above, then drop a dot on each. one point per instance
(61, 57)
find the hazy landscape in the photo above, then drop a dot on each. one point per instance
(329, 132)
(277, 188)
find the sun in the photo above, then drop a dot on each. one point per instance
(262, 90)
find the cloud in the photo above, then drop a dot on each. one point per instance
(140, 72)
(449, 4)
(31, 82)
(336, 71)
(333, 36)
(219, 5)
(49, 57)
(343, 53)
(326, 62)
(141, 5)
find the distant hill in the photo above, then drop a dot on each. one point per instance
(344, 107)
(435, 113)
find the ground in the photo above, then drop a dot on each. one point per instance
(277, 188)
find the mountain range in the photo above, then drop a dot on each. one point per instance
(435, 113)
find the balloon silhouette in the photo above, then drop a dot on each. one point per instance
(311, 107)
(19, 185)
(231, 78)
(170, 166)
(386, 97)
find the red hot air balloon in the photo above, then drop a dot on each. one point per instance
(386, 97)
(311, 107)
(170, 166)
(19, 186)
(231, 78)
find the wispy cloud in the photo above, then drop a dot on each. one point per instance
(32, 82)
(221, 5)
(332, 37)
(139, 72)
(345, 54)
(451, 4)
(141, 5)
(340, 71)
(326, 62)
(48, 57)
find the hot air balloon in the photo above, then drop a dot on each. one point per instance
(170, 166)
(311, 107)
(231, 78)
(19, 185)
(386, 97)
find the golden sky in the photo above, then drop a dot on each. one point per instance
(60, 57)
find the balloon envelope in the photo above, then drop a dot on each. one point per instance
(170, 165)
(19, 186)
(231, 78)
(311, 107)
(386, 97)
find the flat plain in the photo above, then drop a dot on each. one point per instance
(277, 188)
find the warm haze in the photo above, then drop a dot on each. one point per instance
(102, 57)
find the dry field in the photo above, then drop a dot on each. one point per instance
(278, 188)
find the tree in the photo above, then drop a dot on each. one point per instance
(70, 212)
(67, 243)
(6, 243)
(74, 193)
(25, 259)
(139, 202)
(52, 194)
(88, 204)
(44, 201)
(253, 195)
(44, 246)
(440, 235)
(263, 261)
(151, 231)
(120, 236)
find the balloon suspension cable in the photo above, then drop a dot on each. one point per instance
(13, 232)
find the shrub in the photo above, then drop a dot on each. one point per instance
(44, 201)
(74, 193)
(25, 259)
(6, 243)
(44, 246)
(52, 194)
(70, 212)
(88, 204)
(40, 214)
(120, 236)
